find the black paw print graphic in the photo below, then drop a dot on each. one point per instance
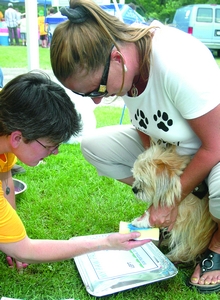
(140, 116)
(164, 121)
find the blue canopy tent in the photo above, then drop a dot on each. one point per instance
(22, 2)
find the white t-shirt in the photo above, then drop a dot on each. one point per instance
(184, 83)
(23, 28)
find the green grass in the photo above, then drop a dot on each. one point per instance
(218, 61)
(16, 57)
(65, 197)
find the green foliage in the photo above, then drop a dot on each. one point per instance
(164, 10)
(19, 6)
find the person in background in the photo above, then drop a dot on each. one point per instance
(11, 19)
(18, 13)
(23, 29)
(48, 28)
(36, 115)
(41, 28)
(172, 100)
(1, 15)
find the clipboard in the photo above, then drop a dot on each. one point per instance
(110, 271)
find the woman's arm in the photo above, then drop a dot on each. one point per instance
(7, 181)
(144, 138)
(40, 251)
(207, 128)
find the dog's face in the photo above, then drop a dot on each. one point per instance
(156, 175)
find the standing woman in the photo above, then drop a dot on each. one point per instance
(170, 84)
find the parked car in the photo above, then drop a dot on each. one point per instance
(202, 21)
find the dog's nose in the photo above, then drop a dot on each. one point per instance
(135, 190)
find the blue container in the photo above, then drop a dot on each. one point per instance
(54, 20)
(4, 37)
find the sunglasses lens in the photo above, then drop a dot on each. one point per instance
(94, 94)
(97, 94)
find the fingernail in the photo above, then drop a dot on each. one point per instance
(194, 279)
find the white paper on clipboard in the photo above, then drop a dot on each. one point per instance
(108, 271)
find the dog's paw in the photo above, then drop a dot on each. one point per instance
(142, 221)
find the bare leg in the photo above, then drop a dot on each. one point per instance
(44, 43)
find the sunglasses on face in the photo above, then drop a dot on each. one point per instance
(102, 90)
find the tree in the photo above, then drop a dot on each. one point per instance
(164, 10)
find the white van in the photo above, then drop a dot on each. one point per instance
(202, 21)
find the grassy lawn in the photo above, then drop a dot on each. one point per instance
(218, 61)
(16, 57)
(65, 197)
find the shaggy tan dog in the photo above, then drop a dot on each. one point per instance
(157, 181)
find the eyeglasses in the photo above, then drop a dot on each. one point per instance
(102, 89)
(49, 148)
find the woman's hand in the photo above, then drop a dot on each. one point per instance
(163, 216)
(42, 251)
(14, 263)
(118, 241)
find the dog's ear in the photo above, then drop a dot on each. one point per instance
(161, 166)
(167, 167)
(174, 163)
(168, 187)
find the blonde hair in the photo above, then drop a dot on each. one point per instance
(84, 43)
